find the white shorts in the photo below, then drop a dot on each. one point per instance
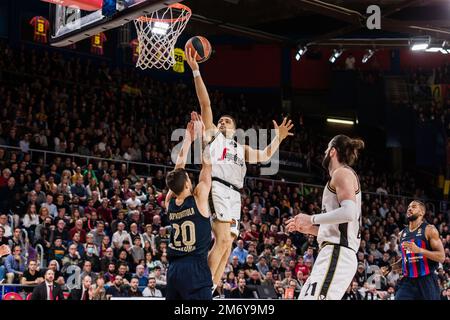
(225, 205)
(331, 275)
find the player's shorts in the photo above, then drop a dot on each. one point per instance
(189, 278)
(225, 205)
(421, 288)
(331, 275)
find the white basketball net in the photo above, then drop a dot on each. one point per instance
(157, 34)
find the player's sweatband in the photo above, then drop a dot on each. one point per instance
(196, 73)
(346, 213)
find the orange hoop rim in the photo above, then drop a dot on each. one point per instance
(174, 6)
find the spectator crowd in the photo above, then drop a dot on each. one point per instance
(100, 227)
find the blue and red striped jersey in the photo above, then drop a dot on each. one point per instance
(416, 265)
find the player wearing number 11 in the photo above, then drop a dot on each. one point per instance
(189, 277)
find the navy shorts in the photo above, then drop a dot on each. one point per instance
(421, 288)
(189, 278)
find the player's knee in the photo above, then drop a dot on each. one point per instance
(223, 242)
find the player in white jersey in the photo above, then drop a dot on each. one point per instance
(338, 226)
(228, 160)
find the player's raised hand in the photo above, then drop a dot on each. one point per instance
(199, 126)
(283, 130)
(190, 133)
(191, 59)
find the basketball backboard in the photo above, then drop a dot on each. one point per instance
(70, 23)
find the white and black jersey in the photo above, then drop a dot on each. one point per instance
(345, 234)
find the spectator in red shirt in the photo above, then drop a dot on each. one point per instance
(300, 266)
(89, 208)
(78, 228)
(252, 234)
(110, 274)
(104, 212)
(6, 173)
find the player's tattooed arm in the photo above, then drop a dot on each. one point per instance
(436, 244)
(282, 131)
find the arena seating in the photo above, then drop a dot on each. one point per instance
(63, 106)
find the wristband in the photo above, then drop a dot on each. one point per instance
(196, 73)
(312, 219)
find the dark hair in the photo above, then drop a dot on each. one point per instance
(101, 275)
(176, 180)
(421, 204)
(231, 117)
(347, 148)
(46, 271)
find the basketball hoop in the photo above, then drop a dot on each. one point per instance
(157, 34)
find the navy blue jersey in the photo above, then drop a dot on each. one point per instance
(415, 264)
(191, 232)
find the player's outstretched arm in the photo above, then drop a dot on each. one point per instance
(203, 187)
(180, 163)
(202, 92)
(282, 132)
(189, 137)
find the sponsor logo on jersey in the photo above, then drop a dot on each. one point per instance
(226, 155)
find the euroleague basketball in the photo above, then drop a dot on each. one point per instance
(201, 45)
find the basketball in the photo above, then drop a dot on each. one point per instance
(201, 45)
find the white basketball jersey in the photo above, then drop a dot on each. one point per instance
(228, 160)
(346, 234)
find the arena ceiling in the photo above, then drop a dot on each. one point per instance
(315, 21)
